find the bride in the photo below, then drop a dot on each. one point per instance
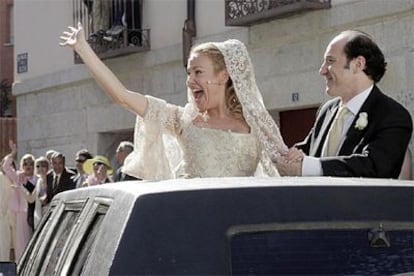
(223, 130)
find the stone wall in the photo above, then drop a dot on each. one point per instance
(71, 112)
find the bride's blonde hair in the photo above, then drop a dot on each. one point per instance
(211, 51)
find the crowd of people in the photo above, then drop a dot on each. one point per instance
(27, 189)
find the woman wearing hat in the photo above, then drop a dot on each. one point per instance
(99, 170)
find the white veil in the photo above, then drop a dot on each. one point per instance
(240, 69)
(152, 147)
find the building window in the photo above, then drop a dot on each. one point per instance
(113, 27)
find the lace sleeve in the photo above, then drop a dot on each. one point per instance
(154, 138)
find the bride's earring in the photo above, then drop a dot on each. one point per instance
(205, 116)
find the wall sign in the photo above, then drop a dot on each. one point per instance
(22, 63)
(295, 97)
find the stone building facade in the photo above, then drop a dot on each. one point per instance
(60, 107)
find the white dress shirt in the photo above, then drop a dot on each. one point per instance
(312, 166)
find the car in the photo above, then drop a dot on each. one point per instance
(228, 226)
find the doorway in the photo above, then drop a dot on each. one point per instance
(296, 124)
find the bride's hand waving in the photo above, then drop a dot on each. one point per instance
(73, 37)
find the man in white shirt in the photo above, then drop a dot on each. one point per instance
(374, 130)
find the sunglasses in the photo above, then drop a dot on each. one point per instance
(28, 164)
(97, 164)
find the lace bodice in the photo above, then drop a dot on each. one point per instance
(216, 153)
(191, 151)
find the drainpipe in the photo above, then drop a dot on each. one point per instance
(189, 30)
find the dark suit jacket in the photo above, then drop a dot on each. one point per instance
(30, 206)
(65, 183)
(120, 176)
(375, 151)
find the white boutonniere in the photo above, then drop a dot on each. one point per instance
(362, 121)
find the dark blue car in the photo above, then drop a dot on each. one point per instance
(228, 226)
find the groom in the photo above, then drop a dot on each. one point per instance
(359, 133)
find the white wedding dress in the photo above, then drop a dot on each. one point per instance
(201, 152)
(216, 153)
(168, 144)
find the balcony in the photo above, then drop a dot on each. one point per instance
(250, 12)
(112, 27)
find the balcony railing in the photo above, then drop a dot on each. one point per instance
(249, 12)
(112, 27)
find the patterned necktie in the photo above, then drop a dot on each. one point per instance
(334, 136)
(55, 182)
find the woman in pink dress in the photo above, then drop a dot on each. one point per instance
(17, 204)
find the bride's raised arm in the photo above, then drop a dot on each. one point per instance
(133, 101)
